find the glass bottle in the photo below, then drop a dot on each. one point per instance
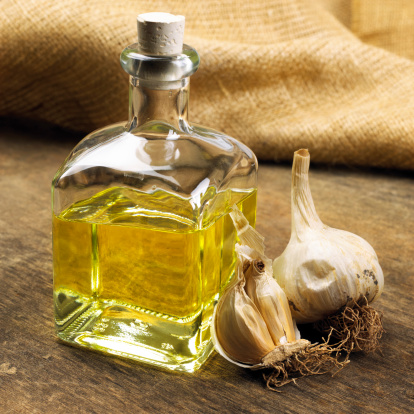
(142, 242)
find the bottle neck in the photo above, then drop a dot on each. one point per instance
(147, 103)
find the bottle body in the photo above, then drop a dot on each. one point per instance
(142, 242)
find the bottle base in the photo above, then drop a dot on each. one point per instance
(130, 332)
(114, 346)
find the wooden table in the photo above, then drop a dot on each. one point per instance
(38, 374)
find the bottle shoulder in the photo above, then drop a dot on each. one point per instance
(162, 135)
(158, 148)
(194, 162)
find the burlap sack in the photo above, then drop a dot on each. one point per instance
(278, 75)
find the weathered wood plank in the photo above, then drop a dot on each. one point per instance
(40, 375)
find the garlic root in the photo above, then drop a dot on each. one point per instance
(358, 327)
(316, 359)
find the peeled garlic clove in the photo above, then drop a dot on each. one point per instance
(239, 328)
(322, 269)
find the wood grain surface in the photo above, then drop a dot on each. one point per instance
(38, 374)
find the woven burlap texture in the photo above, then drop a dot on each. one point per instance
(276, 74)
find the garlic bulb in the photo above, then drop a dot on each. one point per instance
(322, 269)
(252, 322)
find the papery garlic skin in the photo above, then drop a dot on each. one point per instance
(322, 269)
(324, 272)
(239, 327)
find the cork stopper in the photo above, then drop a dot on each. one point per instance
(160, 34)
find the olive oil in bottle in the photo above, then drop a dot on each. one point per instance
(142, 241)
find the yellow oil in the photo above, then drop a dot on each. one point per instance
(141, 282)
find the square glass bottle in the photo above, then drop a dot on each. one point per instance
(142, 242)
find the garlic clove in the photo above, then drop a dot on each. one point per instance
(271, 302)
(322, 269)
(239, 328)
(261, 287)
